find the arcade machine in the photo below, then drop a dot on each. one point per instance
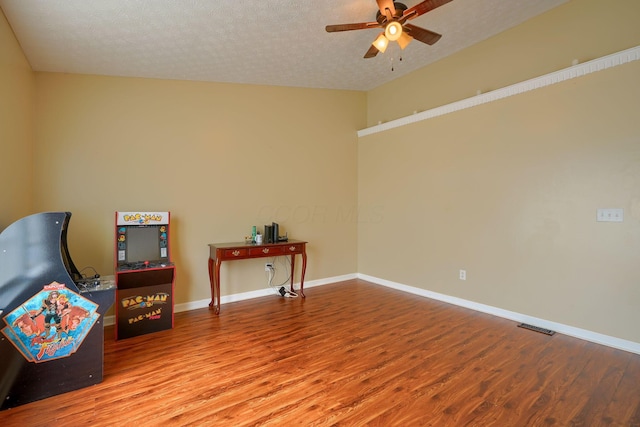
(52, 334)
(145, 274)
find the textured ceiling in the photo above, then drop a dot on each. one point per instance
(268, 42)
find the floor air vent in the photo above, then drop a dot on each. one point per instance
(536, 329)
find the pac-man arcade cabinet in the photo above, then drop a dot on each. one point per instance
(145, 273)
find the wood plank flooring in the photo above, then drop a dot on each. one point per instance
(350, 354)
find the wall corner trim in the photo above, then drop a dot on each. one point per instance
(579, 70)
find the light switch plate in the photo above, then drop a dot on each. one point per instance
(610, 215)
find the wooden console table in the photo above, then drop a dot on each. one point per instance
(219, 252)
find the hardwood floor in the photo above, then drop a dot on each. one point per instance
(350, 354)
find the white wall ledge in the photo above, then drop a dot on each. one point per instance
(569, 73)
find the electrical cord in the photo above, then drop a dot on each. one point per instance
(95, 272)
(280, 288)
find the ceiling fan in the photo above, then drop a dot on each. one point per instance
(393, 17)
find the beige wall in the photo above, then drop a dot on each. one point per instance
(16, 125)
(509, 190)
(580, 29)
(219, 157)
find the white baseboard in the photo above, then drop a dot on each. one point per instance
(204, 303)
(621, 344)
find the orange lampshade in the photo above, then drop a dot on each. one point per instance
(404, 40)
(381, 43)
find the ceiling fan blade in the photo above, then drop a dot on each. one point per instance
(385, 5)
(373, 51)
(349, 27)
(424, 7)
(420, 34)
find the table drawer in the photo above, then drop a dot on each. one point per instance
(293, 249)
(234, 253)
(266, 251)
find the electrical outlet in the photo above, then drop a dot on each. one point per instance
(463, 274)
(268, 266)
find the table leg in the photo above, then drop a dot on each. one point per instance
(217, 269)
(293, 268)
(214, 281)
(304, 269)
(217, 279)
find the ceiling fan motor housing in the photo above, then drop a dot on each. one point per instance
(400, 8)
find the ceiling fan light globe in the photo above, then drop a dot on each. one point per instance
(404, 40)
(393, 31)
(381, 43)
